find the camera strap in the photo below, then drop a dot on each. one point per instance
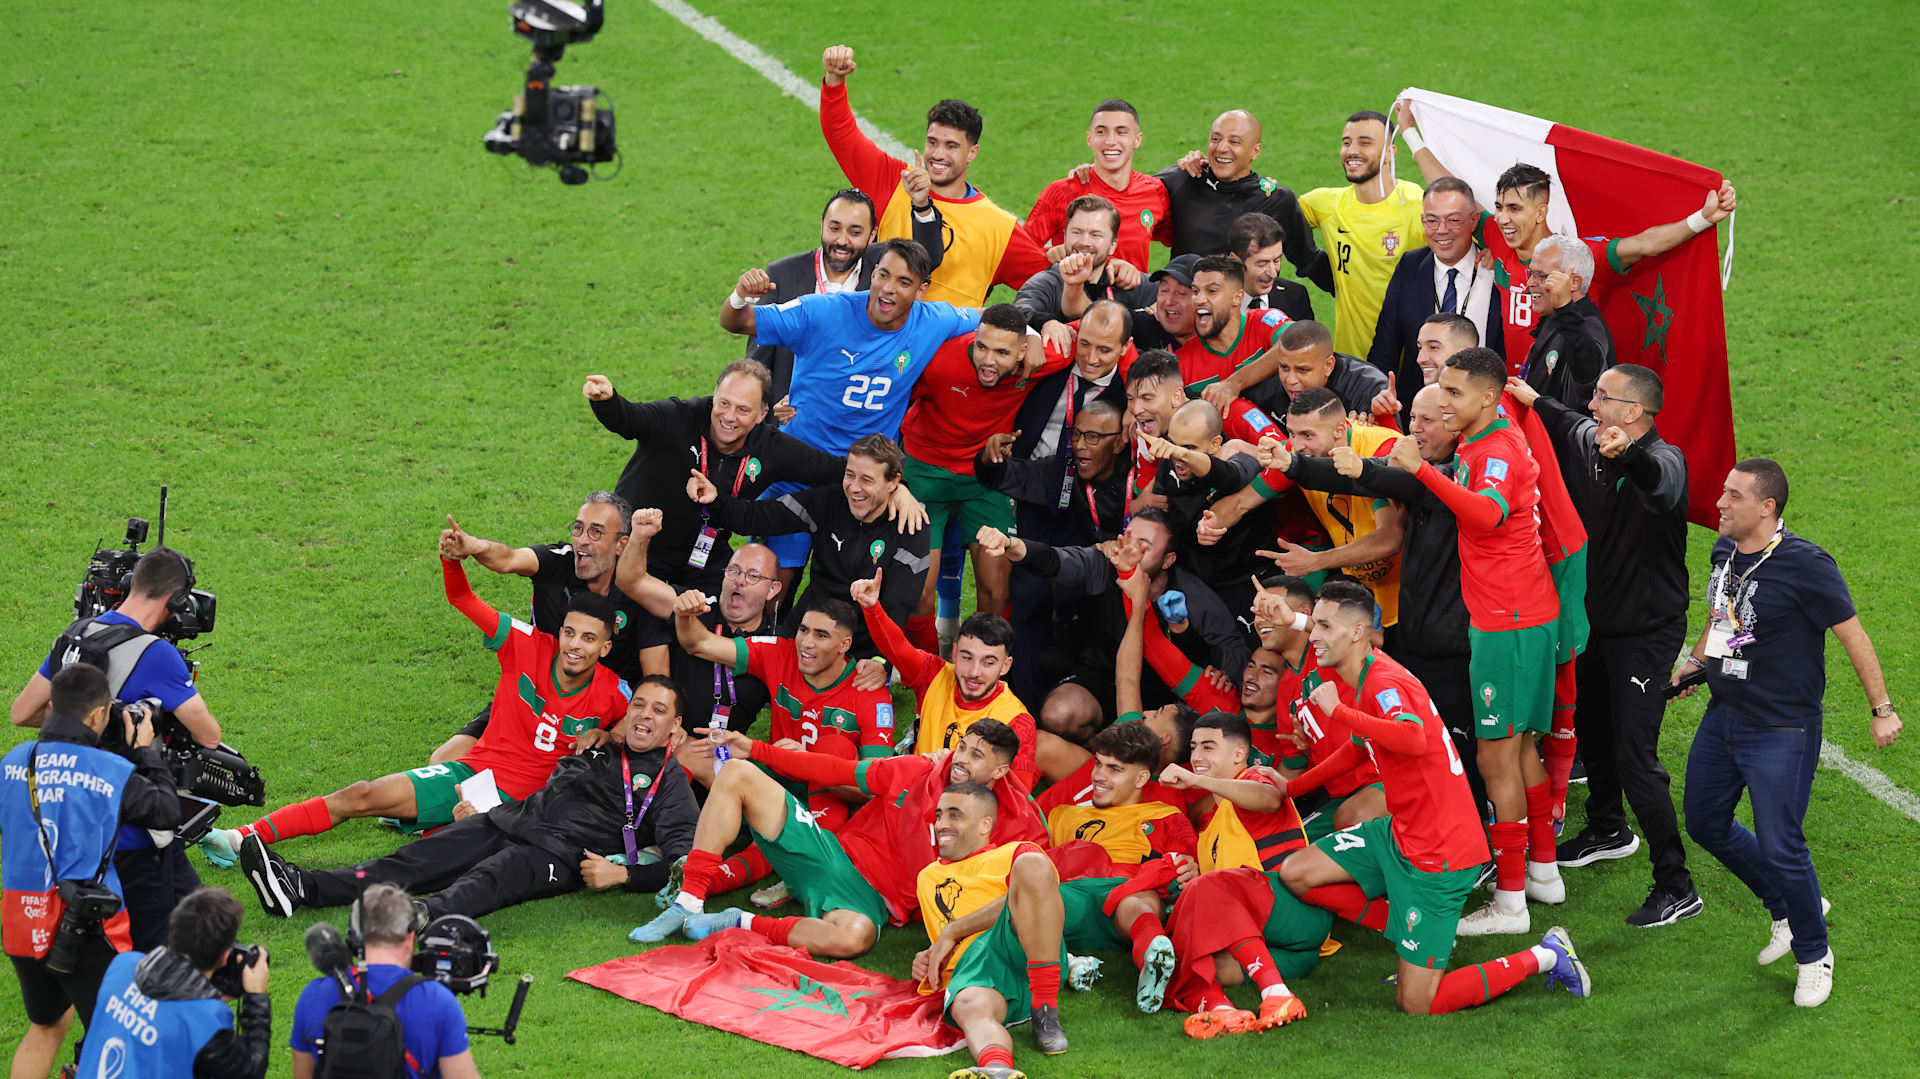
(39, 823)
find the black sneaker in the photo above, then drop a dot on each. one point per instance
(1590, 846)
(276, 881)
(1577, 771)
(1048, 1037)
(1665, 908)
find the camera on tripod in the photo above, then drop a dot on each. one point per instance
(567, 127)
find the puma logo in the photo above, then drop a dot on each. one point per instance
(837, 541)
(961, 390)
(552, 877)
(852, 357)
(1641, 683)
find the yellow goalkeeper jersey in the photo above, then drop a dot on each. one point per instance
(1364, 241)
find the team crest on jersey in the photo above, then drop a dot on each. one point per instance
(901, 361)
(1553, 359)
(753, 468)
(883, 716)
(1496, 469)
(1486, 694)
(1090, 830)
(641, 783)
(1390, 242)
(1388, 699)
(619, 620)
(1267, 185)
(1146, 219)
(877, 548)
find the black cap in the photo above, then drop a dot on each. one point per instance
(1180, 269)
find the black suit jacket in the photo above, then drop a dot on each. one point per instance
(1034, 412)
(1409, 300)
(1292, 299)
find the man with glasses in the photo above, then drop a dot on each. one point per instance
(1443, 278)
(1571, 342)
(1630, 486)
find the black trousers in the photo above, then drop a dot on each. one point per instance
(47, 995)
(1450, 688)
(1030, 599)
(475, 867)
(153, 882)
(1622, 682)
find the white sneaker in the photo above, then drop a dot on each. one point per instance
(1550, 890)
(1781, 942)
(773, 895)
(1816, 982)
(1494, 920)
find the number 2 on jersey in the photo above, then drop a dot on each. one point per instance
(870, 391)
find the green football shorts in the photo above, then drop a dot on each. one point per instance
(1423, 909)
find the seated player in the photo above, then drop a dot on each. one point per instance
(1237, 923)
(994, 921)
(609, 802)
(1425, 855)
(953, 695)
(1244, 817)
(552, 689)
(1103, 851)
(851, 882)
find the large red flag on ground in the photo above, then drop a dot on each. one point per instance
(1667, 313)
(740, 982)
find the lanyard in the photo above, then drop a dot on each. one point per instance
(1723, 602)
(1463, 285)
(739, 474)
(723, 675)
(820, 281)
(1092, 510)
(1073, 397)
(632, 825)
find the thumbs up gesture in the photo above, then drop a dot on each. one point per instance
(919, 185)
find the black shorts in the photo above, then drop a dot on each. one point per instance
(477, 726)
(48, 995)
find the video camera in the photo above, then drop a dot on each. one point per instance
(110, 574)
(565, 127)
(453, 949)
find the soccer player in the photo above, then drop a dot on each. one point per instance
(994, 923)
(1232, 355)
(853, 516)
(850, 882)
(1425, 855)
(1514, 610)
(953, 696)
(552, 689)
(1113, 134)
(987, 245)
(971, 390)
(856, 356)
(1208, 190)
(1244, 819)
(1366, 226)
(1239, 923)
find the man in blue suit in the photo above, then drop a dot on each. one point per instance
(1444, 277)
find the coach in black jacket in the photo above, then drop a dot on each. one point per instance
(843, 262)
(1630, 487)
(1571, 343)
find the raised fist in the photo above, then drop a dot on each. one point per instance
(598, 388)
(1346, 462)
(646, 523)
(1406, 454)
(753, 284)
(838, 63)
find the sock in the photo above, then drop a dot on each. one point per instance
(1561, 744)
(996, 1054)
(776, 930)
(922, 634)
(746, 920)
(701, 867)
(1253, 957)
(310, 817)
(1213, 999)
(1349, 902)
(1475, 985)
(743, 869)
(1540, 838)
(1509, 854)
(1043, 981)
(1142, 931)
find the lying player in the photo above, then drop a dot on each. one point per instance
(1425, 855)
(551, 690)
(851, 882)
(994, 919)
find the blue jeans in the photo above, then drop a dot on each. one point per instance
(1774, 764)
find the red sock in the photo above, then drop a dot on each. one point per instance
(924, 633)
(1471, 986)
(1213, 998)
(1509, 854)
(1257, 961)
(743, 868)
(996, 1054)
(1349, 902)
(776, 930)
(1143, 930)
(1043, 981)
(310, 817)
(1561, 745)
(1540, 838)
(702, 865)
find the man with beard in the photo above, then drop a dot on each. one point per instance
(1167, 322)
(1442, 278)
(1207, 190)
(1113, 134)
(1101, 346)
(1199, 469)
(1087, 273)
(844, 260)
(1233, 354)
(1367, 226)
(987, 246)
(1260, 244)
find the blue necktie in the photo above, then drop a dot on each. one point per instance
(1451, 299)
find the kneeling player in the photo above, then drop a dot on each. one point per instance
(552, 689)
(994, 917)
(1425, 855)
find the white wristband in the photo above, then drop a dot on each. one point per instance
(1697, 221)
(737, 301)
(1413, 140)
(1301, 622)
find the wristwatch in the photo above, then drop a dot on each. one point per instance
(1883, 709)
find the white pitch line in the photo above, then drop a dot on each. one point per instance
(771, 69)
(792, 85)
(1873, 779)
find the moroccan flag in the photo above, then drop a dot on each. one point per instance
(1666, 313)
(740, 982)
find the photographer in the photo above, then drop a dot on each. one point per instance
(61, 800)
(170, 1004)
(139, 666)
(431, 1023)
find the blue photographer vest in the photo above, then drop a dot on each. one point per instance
(133, 1036)
(80, 788)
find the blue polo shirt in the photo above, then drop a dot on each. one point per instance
(431, 1021)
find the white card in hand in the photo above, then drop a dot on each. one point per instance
(481, 791)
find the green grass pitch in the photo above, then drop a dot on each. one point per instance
(257, 252)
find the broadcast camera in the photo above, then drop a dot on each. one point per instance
(566, 127)
(109, 573)
(453, 949)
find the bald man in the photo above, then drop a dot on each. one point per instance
(1208, 189)
(1102, 351)
(1201, 466)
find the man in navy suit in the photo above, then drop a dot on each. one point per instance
(1444, 277)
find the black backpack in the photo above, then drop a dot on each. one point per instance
(361, 1038)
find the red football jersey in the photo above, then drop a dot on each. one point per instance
(1142, 206)
(1247, 422)
(1510, 277)
(1201, 366)
(1503, 575)
(1325, 735)
(1435, 822)
(838, 720)
(533, 723)
(1562, 532)
(1230, 835)
(952, 415)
